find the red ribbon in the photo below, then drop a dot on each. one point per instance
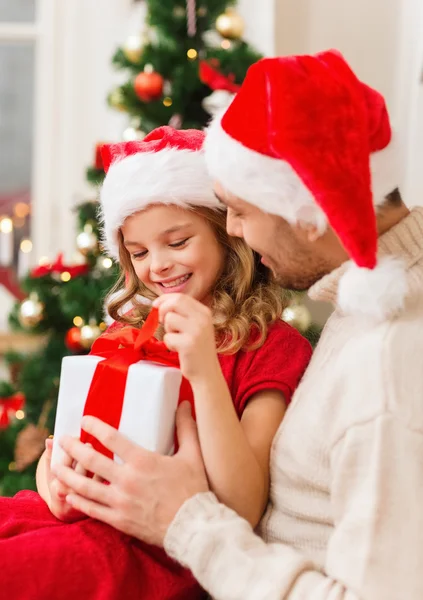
(121, 349)
(215, 79)
(59, 267)
(9, 406)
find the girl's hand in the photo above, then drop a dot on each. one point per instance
(58, 491)
(189, 331)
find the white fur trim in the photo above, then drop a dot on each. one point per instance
(269, 183)
(273, 185)
(386, 170)
(170, 176)
(378, 294)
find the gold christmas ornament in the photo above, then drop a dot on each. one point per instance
(31, 311)
(179, 12)
(230, 24)
(298, 316)
(89, 334)
(116, 100)
(133, 48)
(87, 241)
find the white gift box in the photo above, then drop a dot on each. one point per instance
(149, 406)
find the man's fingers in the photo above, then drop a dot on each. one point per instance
(111, 438)
(92, 509)
(88, 458)
(83, 486)
(187, 432)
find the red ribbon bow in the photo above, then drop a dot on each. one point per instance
(215, 79)
(121, 349)
(59, 267)
(9, 407)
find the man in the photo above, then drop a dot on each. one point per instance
(301, 157)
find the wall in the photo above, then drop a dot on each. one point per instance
(383, 42)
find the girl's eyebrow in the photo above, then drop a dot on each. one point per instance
(176, 228)
(173, 229)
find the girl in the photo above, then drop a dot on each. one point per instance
(221, 312)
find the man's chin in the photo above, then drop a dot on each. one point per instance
(294, 284)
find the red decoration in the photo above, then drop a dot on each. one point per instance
(148, 86)
(59, 267)
(211, 76)
(98, 162)
(9, 407)
(73, 340)
(121, 349)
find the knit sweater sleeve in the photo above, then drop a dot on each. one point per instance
(375, 550)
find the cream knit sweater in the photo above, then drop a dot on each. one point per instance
(345, 519)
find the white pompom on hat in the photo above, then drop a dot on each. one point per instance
(306, 140)
(166, 167)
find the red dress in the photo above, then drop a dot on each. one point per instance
(42, 557)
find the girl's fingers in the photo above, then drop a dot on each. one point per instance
(174, 323)
(179, 303)
(78, 468)
(172, 341)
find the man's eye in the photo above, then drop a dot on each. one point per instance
(179, 244)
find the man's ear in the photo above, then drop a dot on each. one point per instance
(307, 231)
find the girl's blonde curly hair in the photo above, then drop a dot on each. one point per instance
(246, 300)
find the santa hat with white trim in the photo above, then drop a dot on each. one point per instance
(306, 140)
(166, 167)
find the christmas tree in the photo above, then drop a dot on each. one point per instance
(183, 67)
(64, 309)
(186, 64)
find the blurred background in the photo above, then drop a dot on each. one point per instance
(80, 73)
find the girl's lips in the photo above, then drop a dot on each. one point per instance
(174, 289)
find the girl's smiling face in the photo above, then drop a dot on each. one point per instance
(173, 249)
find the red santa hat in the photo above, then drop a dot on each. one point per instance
(306, 140)
(166, 167)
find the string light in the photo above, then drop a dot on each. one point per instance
(226, 44)
(192, 53)
(65, 276)
(26, 246)
(20, 415)
(107, 262)
(6, 225)
(21, 210)
(103, 326)
(78, 321)
(167, 101)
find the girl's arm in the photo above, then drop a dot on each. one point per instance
(237, 454)
(41, 478)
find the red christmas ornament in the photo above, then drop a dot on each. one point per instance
(73, 340)
(9, 407)
(148, 86)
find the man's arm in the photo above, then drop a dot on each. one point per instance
(375, 551)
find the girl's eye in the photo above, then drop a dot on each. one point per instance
(179, 244)
(139, 254)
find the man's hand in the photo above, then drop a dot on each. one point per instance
(146, 491)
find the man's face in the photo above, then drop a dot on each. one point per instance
(296, 262)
